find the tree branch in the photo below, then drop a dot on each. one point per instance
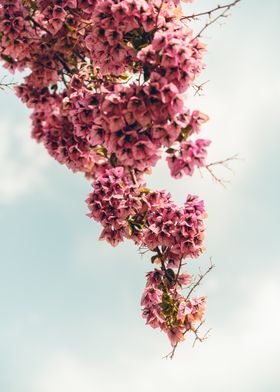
(223, 163)
(171, 354)
(223, 14)
(197, 336)
(210, 12)
(199, 88)
(4, 85)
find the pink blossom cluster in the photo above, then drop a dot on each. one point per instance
(153, 221)
(165, 307)
(45, 37)
(105, 81)
(148, 217)
(120, 29)
(174, 54)
(51, 126)
(15, 33)
(190, 154)
(133, 122)
(114, 199)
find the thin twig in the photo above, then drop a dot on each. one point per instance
(171, 354)
(201, 277)
(210, 12)
(223, 14)
(197, 336)
(143, 252)
(199, 88)
(4, 85)
(220, 181)
(223, 163)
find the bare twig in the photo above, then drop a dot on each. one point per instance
(199, 88)
(142, 251)
(217, 179)
(210, 12)
(201, 276)
(4, 84)
(197, 336)
(171, 354)
(223, 163)
(223, 14)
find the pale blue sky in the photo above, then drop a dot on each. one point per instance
(63, 330)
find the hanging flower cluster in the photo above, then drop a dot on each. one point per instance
(105, 82)
(165, 307)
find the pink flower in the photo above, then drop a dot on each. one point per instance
(188, 156)
(175, 335)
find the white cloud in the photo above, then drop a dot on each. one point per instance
(66, 374)
(22, 161)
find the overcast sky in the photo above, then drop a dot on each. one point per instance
(69, 305)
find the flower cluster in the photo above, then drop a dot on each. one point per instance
(52, 127)
(174, 54)
(121, 28)
(165, 307)
(113, 200)
(130, 122)
(153, 221)
(105, 86)
(135, 122)
(150, 218)
(190, 154)
(15, 34)
(177, 230)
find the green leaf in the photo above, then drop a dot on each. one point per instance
(144, 190)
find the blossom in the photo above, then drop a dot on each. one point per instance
(188, 156)
(164, 305)
(112, 201)
(174, 54)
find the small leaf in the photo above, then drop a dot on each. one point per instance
(144, 190)
(130, 229)
(70, 28)
(147, 73)
(113, 160)
(170, 275)
(124, 77)
(101, 151)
